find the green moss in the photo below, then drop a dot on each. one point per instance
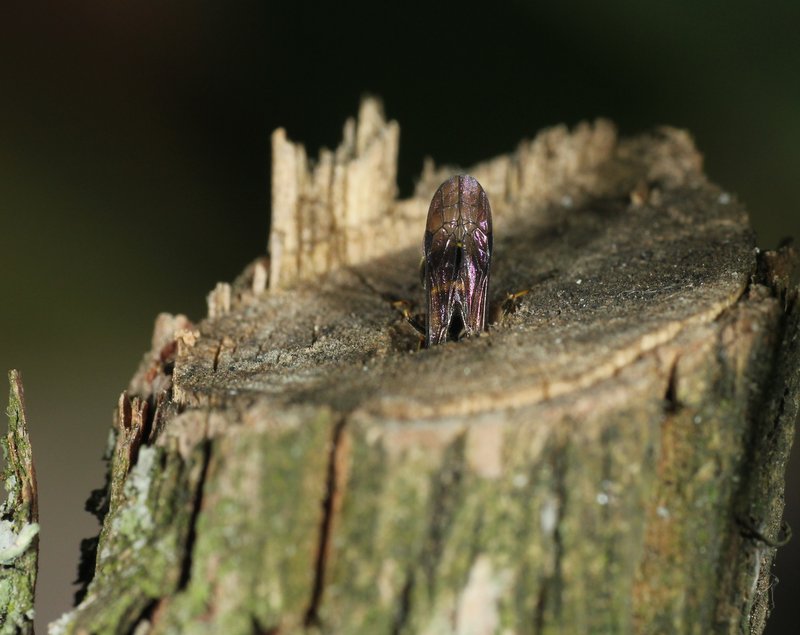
(258, 531)
(18, 527)
(143, 539)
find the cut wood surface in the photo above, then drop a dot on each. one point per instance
(608, 457)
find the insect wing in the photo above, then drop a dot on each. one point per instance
(441, 256)
(458, 246)
(474, 272)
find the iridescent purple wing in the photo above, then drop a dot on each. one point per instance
(458, 251)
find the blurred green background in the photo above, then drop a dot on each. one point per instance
(134, 161)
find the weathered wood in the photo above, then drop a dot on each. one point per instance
(19, 519)
(609, 457)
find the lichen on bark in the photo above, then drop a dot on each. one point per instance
(19, 515)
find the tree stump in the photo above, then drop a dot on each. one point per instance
(608, 457)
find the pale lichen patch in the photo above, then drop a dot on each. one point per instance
(134, 518)
(478, 610)
(14, 543)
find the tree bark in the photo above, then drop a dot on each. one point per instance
(608, 457)
(19, 516)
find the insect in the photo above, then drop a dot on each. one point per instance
(458, 252)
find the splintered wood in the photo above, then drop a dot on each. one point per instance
(337, 211)
(342, 208)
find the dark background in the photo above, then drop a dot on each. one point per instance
(134, 161)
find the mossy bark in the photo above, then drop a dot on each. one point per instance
(608, 457)
(19, 516)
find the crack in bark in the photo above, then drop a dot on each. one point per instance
(404, 607)
(399, 305)
(258, 629)
(551, 586)
(446, 494)
(672, 404)
(768, 422)
(751, 533)
(560, 473)
(144, 615)
(538, 616)
(197, 503)
(217, 353)
(329, 506)
(386, 296)
(365, 281)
